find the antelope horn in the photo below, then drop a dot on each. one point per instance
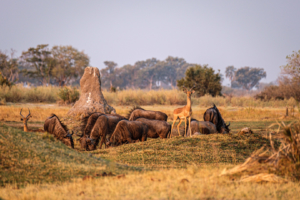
(193, 87)
(29, 113)
(21, 113)
(228, 124)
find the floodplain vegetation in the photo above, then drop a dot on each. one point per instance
(36, 166)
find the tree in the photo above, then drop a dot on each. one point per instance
(229, 73)
(108, 74)
(292, 68)
(9, 66)
(68, 63)
(249, 77)
(39, 62)
(147, 74)
(204, 78)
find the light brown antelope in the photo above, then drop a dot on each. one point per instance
(25, 119)
(184, 112)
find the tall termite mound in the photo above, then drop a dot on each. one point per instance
(91, 98)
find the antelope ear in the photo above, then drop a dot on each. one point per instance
(193, 91)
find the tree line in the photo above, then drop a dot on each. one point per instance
(64, 65)
(60, 65)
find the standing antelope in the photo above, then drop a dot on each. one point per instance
(184, 112)
(25, 119)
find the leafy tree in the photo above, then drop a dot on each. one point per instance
(249, 77)
(9, 66)
(147, 74)
(292, 68)
(171, 69)
(39, 62)
(204, 78)
(68, 62)
(108, 74)
(229, 73)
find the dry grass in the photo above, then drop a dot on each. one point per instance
(268, 163)
(195, 182)
(19, 94)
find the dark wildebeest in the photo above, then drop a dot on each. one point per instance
(54, 126)
(213, 115)
(156, 128)
(137, 112)
(128, 132)
(201, 127)
(97, 125)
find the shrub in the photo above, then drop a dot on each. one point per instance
(68, 95)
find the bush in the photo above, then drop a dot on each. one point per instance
(68, 95)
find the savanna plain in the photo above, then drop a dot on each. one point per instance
(34, 165)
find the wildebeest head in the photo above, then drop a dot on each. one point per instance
(225, 128)
(54, 126)
(68, 139)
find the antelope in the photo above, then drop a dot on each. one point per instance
(184, 112)
(25, 119)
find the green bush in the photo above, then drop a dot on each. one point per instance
(68, 95)
(4, 80)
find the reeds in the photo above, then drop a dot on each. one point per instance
(50, 94)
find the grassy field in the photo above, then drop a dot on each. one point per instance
(36, 166)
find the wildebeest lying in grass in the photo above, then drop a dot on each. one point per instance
(156, 128)
(137, 112)
(201, 127)
(54, 126)
(213, 115)
(97, 125)
(128, 132)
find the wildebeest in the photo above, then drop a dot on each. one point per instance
(97, 125)
(128, 132)
(156, 128)
(201, 127)
(137, 112)
(213, 115)
(54, 126)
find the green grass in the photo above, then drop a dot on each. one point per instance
(39, 158)
(180, 152)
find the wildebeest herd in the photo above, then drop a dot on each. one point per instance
(140, 124)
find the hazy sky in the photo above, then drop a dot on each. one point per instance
(242, 33)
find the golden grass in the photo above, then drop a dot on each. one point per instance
(195, 182)
(40, 112)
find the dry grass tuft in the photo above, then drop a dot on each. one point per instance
(266, 164)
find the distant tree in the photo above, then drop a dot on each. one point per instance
(9, 66)
(108, 74)
(229, 73)
(171, 69)
(39, 63)
(249, 77)
(292, 68)
(204, 78)
(69, 63)
(147, 74)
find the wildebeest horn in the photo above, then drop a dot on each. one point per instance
(29, 113)
(21, 113)
(79, 134)
(228, 124)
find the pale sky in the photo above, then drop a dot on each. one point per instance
(259, 33)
